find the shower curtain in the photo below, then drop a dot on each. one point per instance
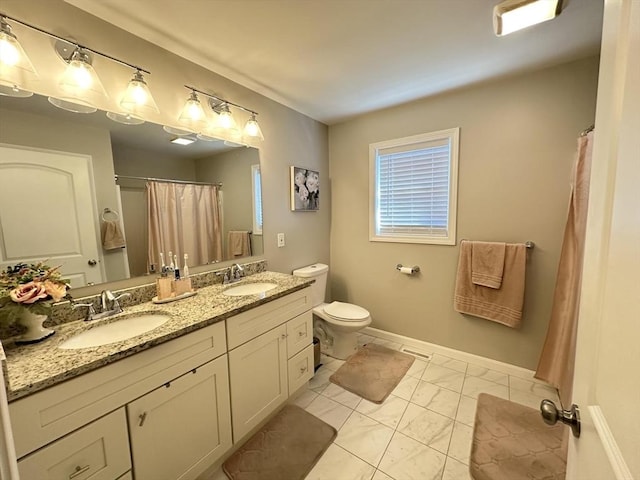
(556, 362)
(183, 218)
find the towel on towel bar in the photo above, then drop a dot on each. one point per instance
(239, 244)
(487, 263)
(503, 305)
(112, 236)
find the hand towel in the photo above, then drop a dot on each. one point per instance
(112, 236)
(239, 243)
(487, 263)
(503, 305)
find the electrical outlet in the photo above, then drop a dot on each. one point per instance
(280, 240)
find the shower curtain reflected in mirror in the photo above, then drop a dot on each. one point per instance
(183, 218)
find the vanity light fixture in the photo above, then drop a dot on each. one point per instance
(15, 67)
(252, 129)
(512, 15)
(137, 99)
(80, 85)
(225, 124)
(192, 115)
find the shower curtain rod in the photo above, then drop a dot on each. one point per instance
(150, 179)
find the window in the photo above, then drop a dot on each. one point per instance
(256, 185)
(413, 188)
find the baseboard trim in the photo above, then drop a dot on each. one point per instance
(609, 444)
(423, 346)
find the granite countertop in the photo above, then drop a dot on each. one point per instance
(31, 368)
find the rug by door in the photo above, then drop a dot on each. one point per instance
(373, 372)
(512, 442)
(287, 447)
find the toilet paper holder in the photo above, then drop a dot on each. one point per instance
(407, 270)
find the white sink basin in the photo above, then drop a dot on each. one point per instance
(128, 327)
(249, 289)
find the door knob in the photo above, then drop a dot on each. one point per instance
(551, 415)
(92, 262)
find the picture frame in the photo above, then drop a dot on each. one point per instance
(305, 189)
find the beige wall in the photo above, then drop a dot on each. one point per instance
(290, 137)
(517, 143)
(20, 128)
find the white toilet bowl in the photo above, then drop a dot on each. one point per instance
(336, 324)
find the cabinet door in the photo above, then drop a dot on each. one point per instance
(181, 428)
(258, 379)
(98, 451)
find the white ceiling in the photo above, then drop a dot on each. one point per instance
(334, 59)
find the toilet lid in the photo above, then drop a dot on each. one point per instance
(346, 311)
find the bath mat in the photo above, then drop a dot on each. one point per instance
(512, 442)
(373, 372)
(287, 447)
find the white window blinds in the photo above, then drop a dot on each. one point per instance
(413, 189)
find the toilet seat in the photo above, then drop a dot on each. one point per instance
(346, 312)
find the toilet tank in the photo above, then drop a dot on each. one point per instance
(317, 271)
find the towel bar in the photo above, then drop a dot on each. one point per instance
(528, 244)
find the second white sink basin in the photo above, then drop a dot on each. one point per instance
(128, 327)
(249, 289)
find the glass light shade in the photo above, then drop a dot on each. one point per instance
(72, 105)
(252, 129)
(513, 15)
(125, 118)
(192, 114)
(137, 98)
(226, 120)
(16, 70)
(80, 83)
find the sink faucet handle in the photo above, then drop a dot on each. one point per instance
(90, 310)
(106, 299)
(116, 301)
(237, 271)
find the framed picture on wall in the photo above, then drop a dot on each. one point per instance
(305, 190)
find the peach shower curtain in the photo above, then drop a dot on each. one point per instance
(183, 218)
(556, 363)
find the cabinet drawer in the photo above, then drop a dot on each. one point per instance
(49, 414)
(99, 451)
(299, 333)
(247, 325)
(300, 369)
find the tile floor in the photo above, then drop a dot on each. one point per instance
(422, 430)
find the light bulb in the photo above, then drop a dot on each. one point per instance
(252, 129)
(225, 118)
(137, 98)
(9, 54)
(81, 74)
(192, 114)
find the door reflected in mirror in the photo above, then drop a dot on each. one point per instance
(133, 153)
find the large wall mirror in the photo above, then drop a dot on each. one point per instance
(66, 176)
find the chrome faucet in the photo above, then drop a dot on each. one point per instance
(233, 274)
(237, 272)
(111, 303)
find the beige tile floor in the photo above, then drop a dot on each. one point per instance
(422, 430)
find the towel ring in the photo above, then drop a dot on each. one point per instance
(107, 211)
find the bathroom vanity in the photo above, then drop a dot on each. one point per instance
(177, 399)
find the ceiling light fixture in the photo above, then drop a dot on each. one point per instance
(183, 140)
(513, 15)
(15, 67)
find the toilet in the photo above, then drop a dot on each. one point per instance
(335, 324)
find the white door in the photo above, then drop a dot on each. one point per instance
(607, 381)
(47, 210)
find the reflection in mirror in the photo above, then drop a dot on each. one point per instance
(60, 194)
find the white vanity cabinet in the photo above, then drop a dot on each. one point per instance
(261, 343)
(98, 451)
(182, 427)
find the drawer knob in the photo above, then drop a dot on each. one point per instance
(283, 336)
(142, 418)
(302, 334)
(79, 471)
(303, 369)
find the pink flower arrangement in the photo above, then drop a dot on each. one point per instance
(33, 286)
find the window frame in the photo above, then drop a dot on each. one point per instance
(256, 203)
(453, 136)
